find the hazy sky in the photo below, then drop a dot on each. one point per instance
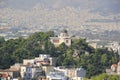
(104, 6)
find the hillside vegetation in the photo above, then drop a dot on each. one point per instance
(95, 61)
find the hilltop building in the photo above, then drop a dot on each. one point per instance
(63, 37)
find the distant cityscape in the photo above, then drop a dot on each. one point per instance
(84, 22)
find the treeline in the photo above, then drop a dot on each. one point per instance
(104, 76)
(95, 61)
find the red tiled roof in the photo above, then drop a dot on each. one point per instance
(114, 65)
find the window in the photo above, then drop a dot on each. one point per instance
(67, 41)
(55, 41)
(28, 69)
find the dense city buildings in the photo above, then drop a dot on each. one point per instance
(32, 69)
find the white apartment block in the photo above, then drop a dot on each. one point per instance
(28, 72)
(43, 59)
(57, 76)
(73, 73)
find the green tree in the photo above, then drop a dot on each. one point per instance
(100, 77)
(21, 54)
(59, 60)
(104, 59)
(105, 77)
(6, 61)
(2, 40)
(114, 77)
(62, 49)
(69, 62)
